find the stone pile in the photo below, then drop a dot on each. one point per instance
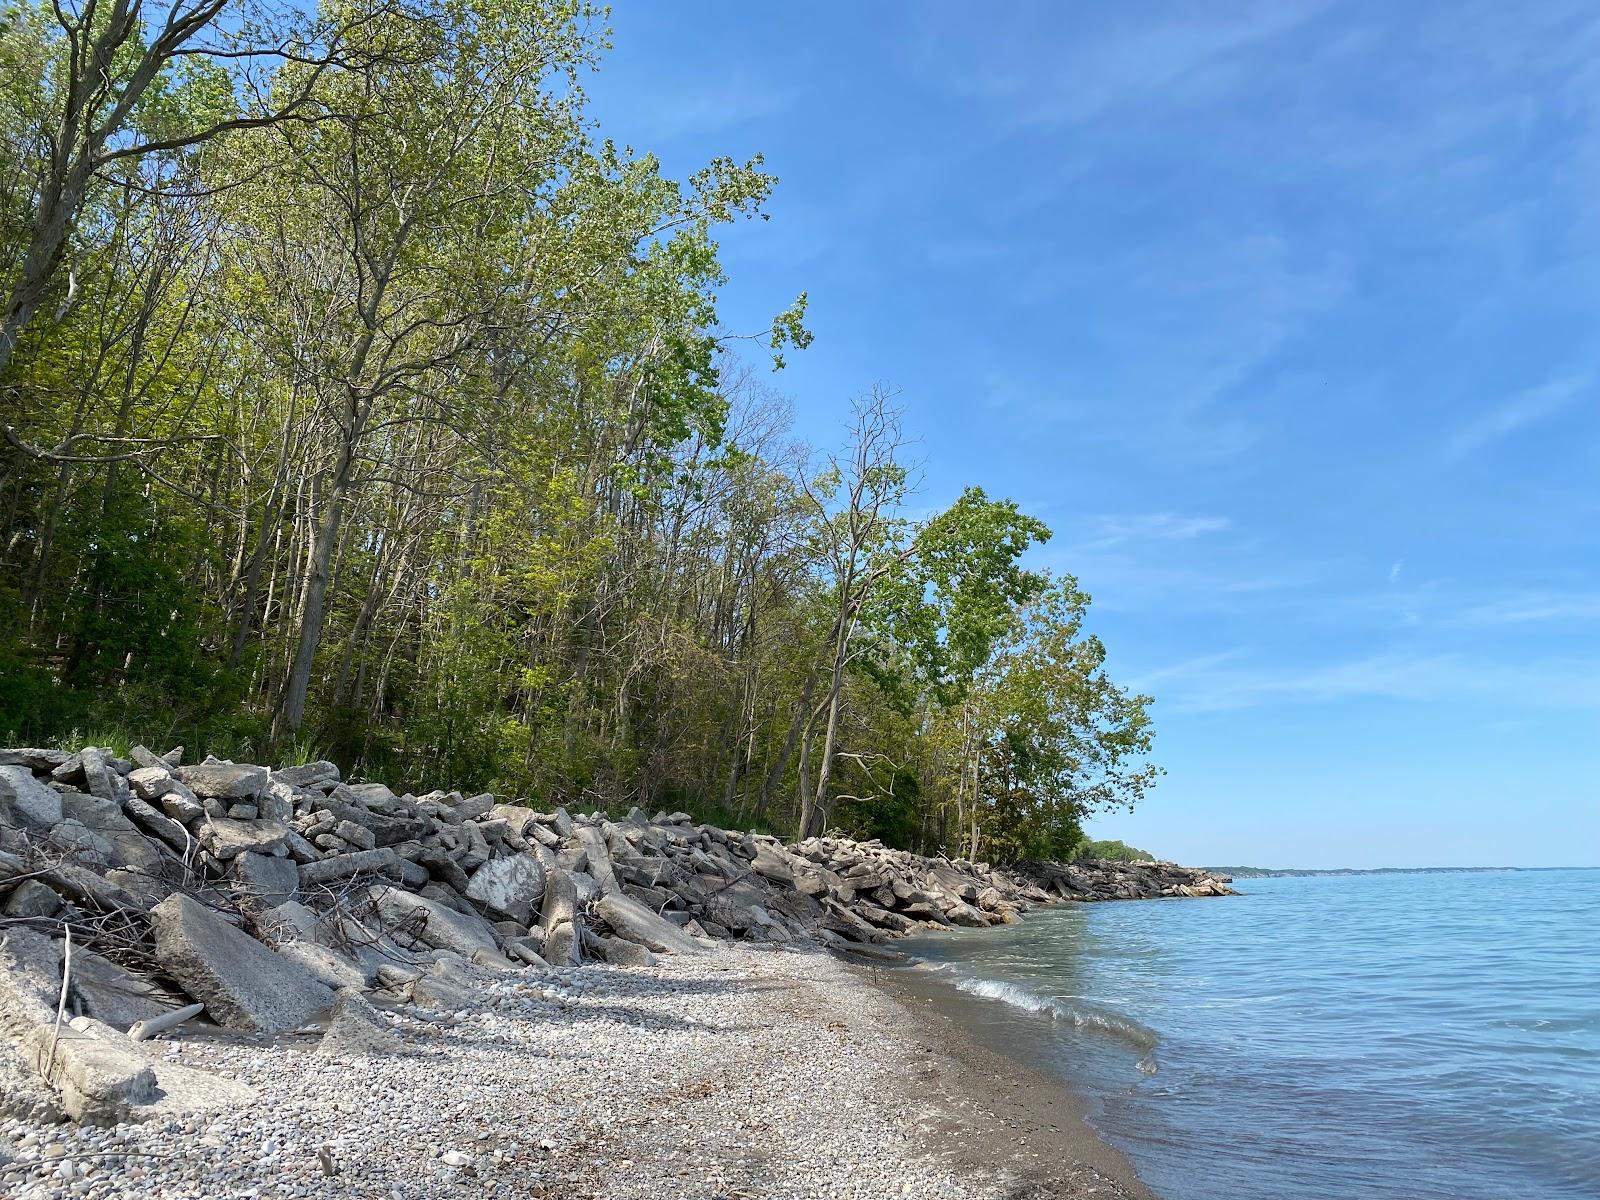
(136, 893)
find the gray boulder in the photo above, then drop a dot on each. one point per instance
(33, 758)
(357, 1030)
(633, 922)
(563, 944)
(341, 866)
(243, 984)
(115, 995)
(594, 842)
(224, 781)
(310, 774)
(511, 885)
(269, 880)
(226, 838)
(625, 954)
(325, 965)
(560, 899)
(432, 922)
(31, 898)
(26, 802)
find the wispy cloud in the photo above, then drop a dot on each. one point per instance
(1118, 529)
(1536, 607)
(701, 108)
(1114, 60)
(1225, 682)
(1532, 407)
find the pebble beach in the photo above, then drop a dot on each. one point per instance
(746, 1072)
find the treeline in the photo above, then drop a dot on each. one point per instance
(359, 399)
(1112, 850)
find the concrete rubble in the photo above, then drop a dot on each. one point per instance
(292, 904)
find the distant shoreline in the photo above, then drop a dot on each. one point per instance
(1286, 872)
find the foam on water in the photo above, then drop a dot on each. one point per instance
(1089, 1017)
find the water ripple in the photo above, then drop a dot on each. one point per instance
(1402, 1037)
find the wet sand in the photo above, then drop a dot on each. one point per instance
(1011, 1121)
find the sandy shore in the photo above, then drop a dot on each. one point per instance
(746, 1072)
(1014, 1118)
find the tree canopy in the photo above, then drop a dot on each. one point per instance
(360, 398)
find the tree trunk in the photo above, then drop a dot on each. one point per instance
(327, 537)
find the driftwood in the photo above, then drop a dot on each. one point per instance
(143, 1031)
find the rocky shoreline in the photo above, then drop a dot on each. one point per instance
(171, 930)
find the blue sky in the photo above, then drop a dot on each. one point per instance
(1283, 315)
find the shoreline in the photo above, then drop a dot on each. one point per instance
(746, 1072)
(1031, 1124)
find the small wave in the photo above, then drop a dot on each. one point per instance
(1080, 1016)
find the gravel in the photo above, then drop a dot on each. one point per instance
(746, 1072)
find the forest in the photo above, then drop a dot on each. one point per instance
(361, 400)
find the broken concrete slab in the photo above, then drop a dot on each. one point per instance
(511, 885)
(382, 861)
(223, 781)
(31, 898)
(633, 922)
(327, 966)
(111, 993)
(26, 802)
(563, 944)
(100, 1081)
(243, 984)
(357, 1030)
(227, 838)
(620, 953)
(308, 775)
(265, 879)
(431, 922)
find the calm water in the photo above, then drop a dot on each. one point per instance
(1425, 1037)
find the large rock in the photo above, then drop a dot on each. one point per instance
(511, 885)
(310, 774)
(111, 993)
(26, 802)
(563, 944)
(227, 838)
(224, 781)
(162, 826)
(633, 922)
(30, 978)
(105, 818)
(560, 899)
(326, 965)
(31, 898)
(266, 879)
(98, 777)
(342, 866)
(375, 795)
(243, 984)
(431, 922)
(594, 842)
(357, 1030)
(33, 758)
(102, 1080)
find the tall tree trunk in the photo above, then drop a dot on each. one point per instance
(327, 538)
(780, 765)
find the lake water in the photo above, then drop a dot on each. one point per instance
(1415, 1037)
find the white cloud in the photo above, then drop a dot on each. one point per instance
(1528, 608)
(1117, 529)
(1113, 59)
(1221, 683)
(1538, 404)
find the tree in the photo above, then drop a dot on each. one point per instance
(104, 75)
